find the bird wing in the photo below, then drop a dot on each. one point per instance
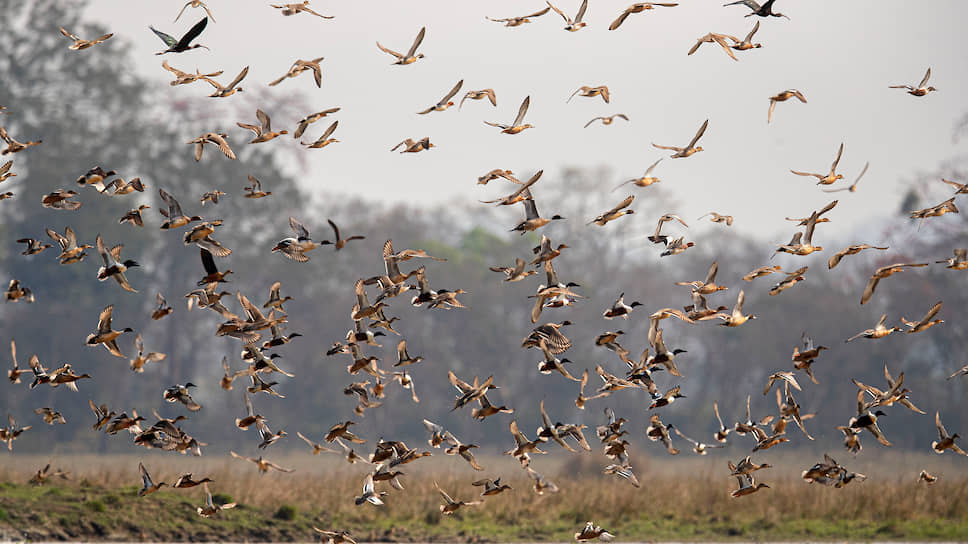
(106, 256)
(931, 313)
(183, 10)
(544, 417)
(461, 385)
(71, 36)
(452, 92)
(811, 225)
(790, 379)
(711, 275)
(749, 37)
(694, 442)
(274, 466)
(192, 33)
(104, 319)
(492, 98)
(264, 120)
(522, 111)
(334, 227)
(301, 231)
(433, 427)
(716, 409)
(721, 40)
(145, 477)
(835, 259)
(619, 20)
(417, 41)
(444, 495)
(388, 50)
(167, 38)
(924, 81)
(827, 208)
(208, 263)
(248, 405)
(307, 10)
(63, 241)
(174, 208)
(251, 311)
(738, 309)
(833, 167)
(238, 79)
(702, 130)
(254, 184)
(559, 12)
(329, 130)
(869, 289)
(624, 204)
(223, 145)
(519, 437)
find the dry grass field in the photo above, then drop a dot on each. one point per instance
(685, 500)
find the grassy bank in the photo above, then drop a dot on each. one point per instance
(101, 504)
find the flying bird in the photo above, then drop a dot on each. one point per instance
(411, 56)
(182, 45)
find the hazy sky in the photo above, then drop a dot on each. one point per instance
(841, 55)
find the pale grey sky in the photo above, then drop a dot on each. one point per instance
(842, 55)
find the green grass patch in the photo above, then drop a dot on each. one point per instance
(96, 506)
(286, 512)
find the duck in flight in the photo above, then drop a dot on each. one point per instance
(921, 89)
(689, 150)
(517, 126)
(576, 24)
(80, 44)
(412, 55)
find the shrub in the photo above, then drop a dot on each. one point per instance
(286, 512)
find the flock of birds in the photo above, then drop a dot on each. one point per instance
(641, 373)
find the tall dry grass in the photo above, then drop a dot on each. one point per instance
(687, 489)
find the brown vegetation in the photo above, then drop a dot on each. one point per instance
(687, 500)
